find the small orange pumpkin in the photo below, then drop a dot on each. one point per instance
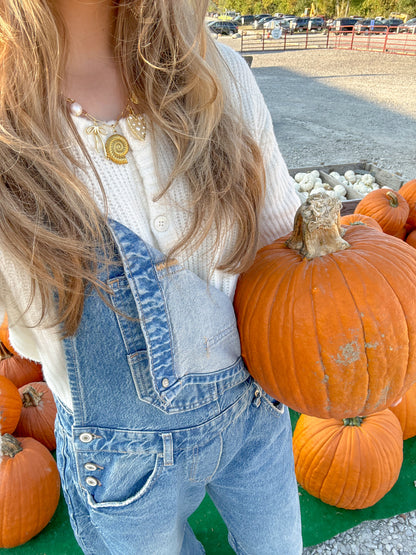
(349, 463)
(387, 207)
(408, 191)
(29, 489)
(37, 418)
(360, 219)
(406, 412)
(10, 406)
(19, 370)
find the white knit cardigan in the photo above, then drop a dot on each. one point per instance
(130, 190)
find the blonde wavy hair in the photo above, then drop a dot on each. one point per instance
(48, 221)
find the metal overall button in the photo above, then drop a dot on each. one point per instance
(257, 397)
(90, 466)
(165, 382)
(91, 481)
(86, 437)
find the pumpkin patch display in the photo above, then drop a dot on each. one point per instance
(350, 463)
(389, 208)
(29, 489)
(10, 406)
(327, 316)
(37, 418)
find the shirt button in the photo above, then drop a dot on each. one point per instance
(91, 481)
(86, 437)
(90, 466)
(161, 223)
(165, 382)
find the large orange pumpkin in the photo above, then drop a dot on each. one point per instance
(408, 191)
(10, 406)
(360, 219)
(351, 464)
(387, 207)
(406, 412)
(29, 489)
(328, 324)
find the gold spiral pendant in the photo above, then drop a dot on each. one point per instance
(116, 148)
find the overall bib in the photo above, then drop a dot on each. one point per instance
(165, 410)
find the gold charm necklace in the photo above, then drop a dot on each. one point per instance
(115, 147)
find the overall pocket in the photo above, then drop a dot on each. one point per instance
(117, 479)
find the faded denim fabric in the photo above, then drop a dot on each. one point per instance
(164, 410)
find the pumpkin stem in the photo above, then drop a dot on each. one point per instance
(31, 397)
(317, 228)
(4, 351)
(9, 446)
(393, 200)
(355, 421)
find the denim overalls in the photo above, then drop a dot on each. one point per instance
(163, 411)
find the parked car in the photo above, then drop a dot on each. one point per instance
(285, 24)
(261, 15)
(259, 23)
(223, 27)
(316, 24)
(243, 20)
(344, 25)
(369, 25)
(299, 24)
(392, 24)
(408, 27)
(272, 23)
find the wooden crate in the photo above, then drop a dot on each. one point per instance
(383, 177)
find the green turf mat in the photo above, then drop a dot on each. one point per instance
(319, 521)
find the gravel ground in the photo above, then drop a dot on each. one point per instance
(340, 106)
(393, 536)
(333, 107)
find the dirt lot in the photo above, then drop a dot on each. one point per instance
(336, 106)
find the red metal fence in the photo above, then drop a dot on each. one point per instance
(389, 42)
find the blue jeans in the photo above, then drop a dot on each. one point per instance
(164, 411)
(242, 458)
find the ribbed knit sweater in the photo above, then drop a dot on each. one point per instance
(130, 190)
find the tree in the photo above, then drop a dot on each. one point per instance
(370, 8)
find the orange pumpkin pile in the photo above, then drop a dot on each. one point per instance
(28, 470)
(327, 320)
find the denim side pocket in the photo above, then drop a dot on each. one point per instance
(112, 479)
